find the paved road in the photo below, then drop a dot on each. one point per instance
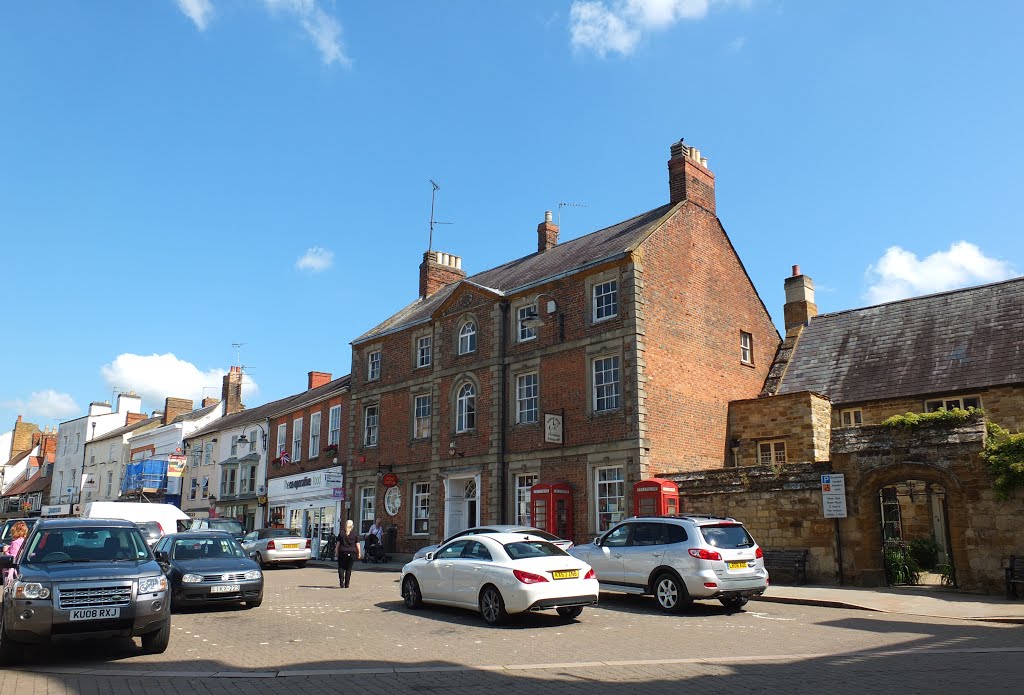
(310, 636)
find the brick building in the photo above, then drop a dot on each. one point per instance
(308, 443)
(596, 362)
(836, 378)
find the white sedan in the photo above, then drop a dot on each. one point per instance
(499, 574)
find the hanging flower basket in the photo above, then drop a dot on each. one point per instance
(331, 450)
(276, 462)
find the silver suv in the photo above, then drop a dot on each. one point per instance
(83, 579)
(678, 559)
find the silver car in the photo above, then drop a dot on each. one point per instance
(499, 528)
(678, 559)
(277, 546)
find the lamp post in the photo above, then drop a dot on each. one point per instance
(533, 320)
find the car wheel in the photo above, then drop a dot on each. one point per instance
(256, 603)
(670, 593)
(411, 592)
(11, 653)
(300, 565)
(156, 642)
(492, 606)
(734, 603)
(570, 613)
(259, 561)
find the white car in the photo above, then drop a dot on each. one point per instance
(277, 546)
(500, 574)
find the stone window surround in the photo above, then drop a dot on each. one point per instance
(515, 371)
(416, 338)
(602, 350)
(418, 490)
(366, 406)
(515, 306)
(592, 506)
(459, 326)
(414, 393)
(515, 470)
(453, 400)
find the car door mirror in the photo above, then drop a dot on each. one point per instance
(429, 556)
(6, 561)
(161, 556)
(597, 541)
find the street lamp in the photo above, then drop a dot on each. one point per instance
(245, 440)
(265, 488)
(533, 320)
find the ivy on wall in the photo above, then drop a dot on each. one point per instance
(1004, 454)
(949, 418)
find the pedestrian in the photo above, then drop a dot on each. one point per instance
(348, 553)
(332, 543)
(18, 533)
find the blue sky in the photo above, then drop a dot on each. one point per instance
(177, 176)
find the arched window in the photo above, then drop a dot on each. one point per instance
(467, 338)
(465, 409)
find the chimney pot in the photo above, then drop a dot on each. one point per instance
(800, 307)
(437, 270)
(547, 233)
(796, 270)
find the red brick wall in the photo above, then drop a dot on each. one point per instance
(322, 459)
(697, 298)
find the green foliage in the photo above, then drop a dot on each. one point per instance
(924, 551)
(948, 575)
(1004, 454)
(900, 567)
(949, 418)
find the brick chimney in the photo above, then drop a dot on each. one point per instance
(317, 379)
(437, 270)
(132, 418)
(800, 307)
(173, 407)
(210, 400)
(547, 234)
(689, 177)
(21, 440)
(231, 393)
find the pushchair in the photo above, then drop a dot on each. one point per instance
(373, 549)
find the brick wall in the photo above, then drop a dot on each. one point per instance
(695, 298)
(320, 459)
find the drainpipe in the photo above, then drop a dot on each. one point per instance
(503, 424)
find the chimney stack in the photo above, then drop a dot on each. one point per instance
(437, 270)
(173, 407)
(689, 177)
(318, 379)
(231, 393)
(800, 307)
(547, 233)
(132, 418)
(210, 400)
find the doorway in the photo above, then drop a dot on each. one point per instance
(915, 534)
(461, 505)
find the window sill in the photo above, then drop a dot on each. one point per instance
(604, 319)
(746, 364)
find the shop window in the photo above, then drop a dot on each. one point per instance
(367, 508)
(523, 483)
(610, 496)
(421, 508)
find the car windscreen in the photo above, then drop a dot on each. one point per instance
(206, 548)
(728, 536)
(229, 525)
(280, 533)
(150, 528)
(525, 549)
(543, 535)
(91, 544)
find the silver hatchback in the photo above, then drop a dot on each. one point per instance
(678, 559)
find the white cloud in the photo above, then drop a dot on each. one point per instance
(45, 405)
(156, 377)
(900, 273)
(616, 26)
(315, 260)
(323, 29)
(199, 11)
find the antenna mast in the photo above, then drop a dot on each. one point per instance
(567, 205)
(433, 192)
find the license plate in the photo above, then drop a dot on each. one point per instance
(742, 565)
(95, 613)
(224, 588)
(289, 545)
(565, 574)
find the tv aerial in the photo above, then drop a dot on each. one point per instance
(433, 193)
(567, 205)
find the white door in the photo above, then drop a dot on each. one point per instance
(455, 506)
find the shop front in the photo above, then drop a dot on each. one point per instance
(309, 503)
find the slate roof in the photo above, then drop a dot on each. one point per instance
(23, 486)
(950, 342)
(195, 414)
(274, 408)
(567, 257)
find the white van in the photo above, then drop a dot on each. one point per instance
(169, 518)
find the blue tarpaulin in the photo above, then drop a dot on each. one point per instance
(149, 475)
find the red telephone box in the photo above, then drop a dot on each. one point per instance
(656, 496)
(551, 508)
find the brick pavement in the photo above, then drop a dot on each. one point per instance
(313, 638)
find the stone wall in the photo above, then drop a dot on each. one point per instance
(801, 419)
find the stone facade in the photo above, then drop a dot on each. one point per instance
(801, 420)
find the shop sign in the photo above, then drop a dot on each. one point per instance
(333, 477)
(300, 483)
(55, 510)
(393, 500)
(338, 493)
(389, 480)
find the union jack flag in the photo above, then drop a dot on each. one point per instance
(285, 458)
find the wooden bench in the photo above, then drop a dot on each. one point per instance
(794, 561)
(1014, 575)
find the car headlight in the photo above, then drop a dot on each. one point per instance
(253, 574)
(191, 578)
(33, 590)
(151, 585)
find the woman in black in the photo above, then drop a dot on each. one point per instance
(348, 553)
